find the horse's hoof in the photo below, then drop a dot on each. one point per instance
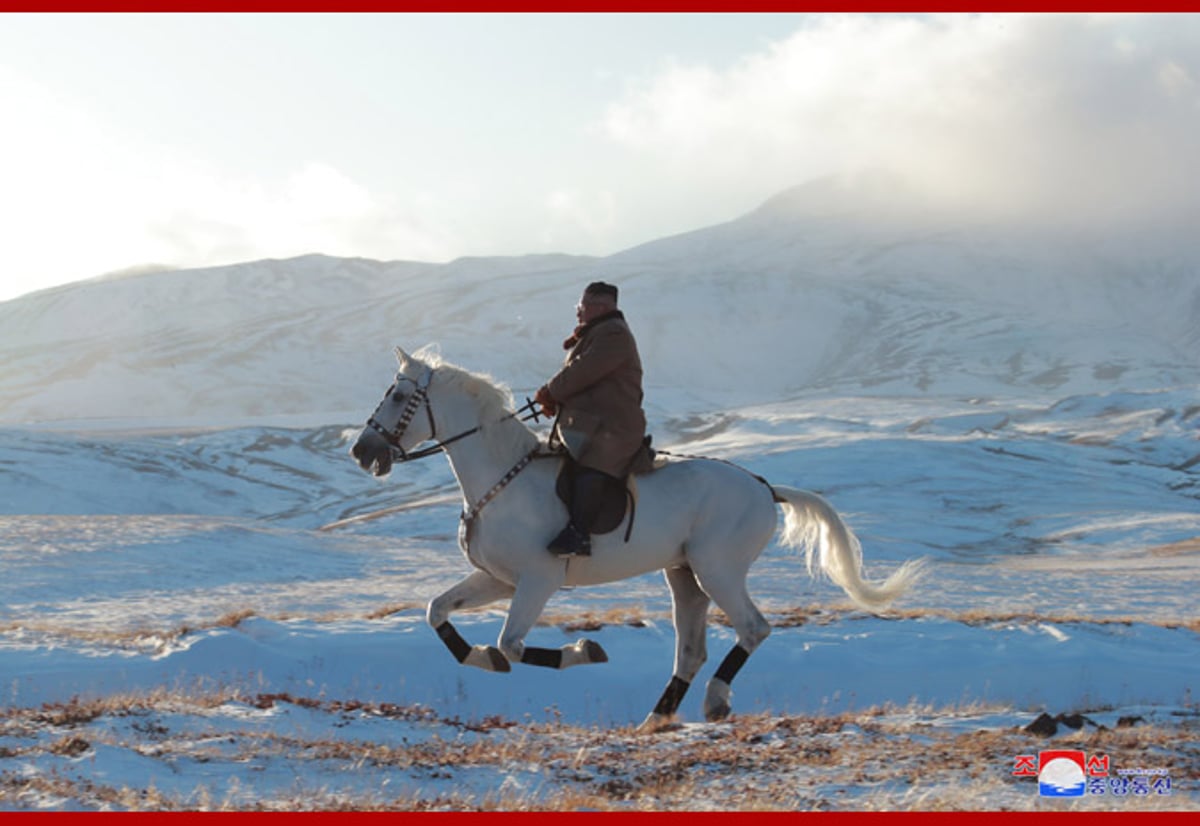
(593, 651)
(718, 701)
(489, 658)
(655, 722)
(583, 652)
(499, 661)
(717, 713)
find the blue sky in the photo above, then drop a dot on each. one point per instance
(190, 140)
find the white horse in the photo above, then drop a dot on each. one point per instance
(702, 522)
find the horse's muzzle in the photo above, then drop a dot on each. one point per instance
(373, 453)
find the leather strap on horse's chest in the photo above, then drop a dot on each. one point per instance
(469, 516)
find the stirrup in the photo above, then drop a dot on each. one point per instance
(571, 542)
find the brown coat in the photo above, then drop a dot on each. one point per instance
(599, 393)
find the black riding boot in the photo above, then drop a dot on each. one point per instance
(587, 488)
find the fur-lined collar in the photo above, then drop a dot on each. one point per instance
(583, 329)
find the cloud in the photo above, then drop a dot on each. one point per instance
(575, 219)
(84, 195)
(1095, 116)
(316, 208)
(1042, 115)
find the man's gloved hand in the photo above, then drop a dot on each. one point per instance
(543, 397)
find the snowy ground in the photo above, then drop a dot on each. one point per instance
(176, 630)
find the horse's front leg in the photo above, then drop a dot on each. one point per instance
(533, 591)
(476, 590)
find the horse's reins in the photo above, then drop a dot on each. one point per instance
(421, 396)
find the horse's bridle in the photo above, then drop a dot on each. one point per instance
(420, 397)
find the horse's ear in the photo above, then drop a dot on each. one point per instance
(401, 356)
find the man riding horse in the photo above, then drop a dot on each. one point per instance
(707, 520)
(597, 397)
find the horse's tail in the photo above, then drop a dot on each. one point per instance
(813, 525)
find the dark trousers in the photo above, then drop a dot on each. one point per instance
(588, 487)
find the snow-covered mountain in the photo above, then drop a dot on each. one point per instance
(828, 285)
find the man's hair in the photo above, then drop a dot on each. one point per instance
(601, 288)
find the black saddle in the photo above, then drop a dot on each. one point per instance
(617, 496)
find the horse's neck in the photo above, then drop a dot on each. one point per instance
(481, 460)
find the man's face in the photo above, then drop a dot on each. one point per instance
(591, 307)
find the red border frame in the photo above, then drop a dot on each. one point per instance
(577, 6)
(581, 6)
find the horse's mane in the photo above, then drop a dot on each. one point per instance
(493, 397)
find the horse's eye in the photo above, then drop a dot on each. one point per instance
(397, 397)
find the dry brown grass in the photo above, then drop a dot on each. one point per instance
(881, 758)
(828, 614)
(588, 621)
(633, 616)
(1181, 548)
(385, 611)
(77, 712)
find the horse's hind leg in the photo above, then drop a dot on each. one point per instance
(690, 606)
(477, 589)
(729, 593)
